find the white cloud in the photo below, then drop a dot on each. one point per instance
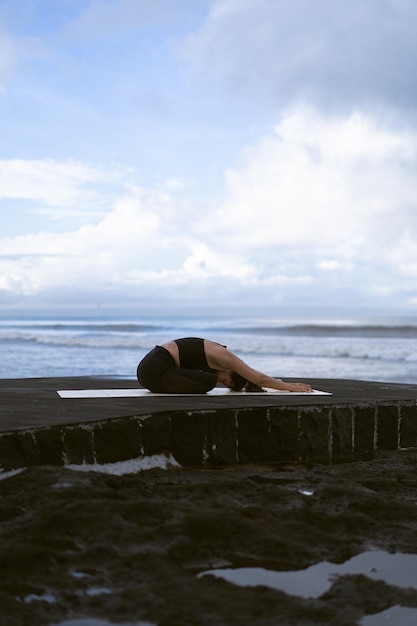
(132, 240)
(54, 183)
(320, 203)
(207, 262)
(331, 184)
(60, 190)
(403, 255)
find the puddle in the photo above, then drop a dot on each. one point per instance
(4, 475)
(97, 591)
(399, 570)
(80, 575)
(33, 597)
(395, 616)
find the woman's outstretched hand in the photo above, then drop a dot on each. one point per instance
(298, 387)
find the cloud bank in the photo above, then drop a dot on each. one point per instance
(317, 203)
(331, 54)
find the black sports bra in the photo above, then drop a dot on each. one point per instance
(192, 354)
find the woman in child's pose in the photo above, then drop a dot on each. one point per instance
(193, 365)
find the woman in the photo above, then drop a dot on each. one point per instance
(193, 365)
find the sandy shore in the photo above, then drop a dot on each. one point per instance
(129, 548)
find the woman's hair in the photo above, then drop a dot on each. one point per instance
(241, 384)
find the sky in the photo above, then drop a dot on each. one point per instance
(208, 156)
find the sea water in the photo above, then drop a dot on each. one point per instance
(382, 350)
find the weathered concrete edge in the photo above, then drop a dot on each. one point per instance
(325, 434)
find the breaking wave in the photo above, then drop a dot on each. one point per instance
(348, 348)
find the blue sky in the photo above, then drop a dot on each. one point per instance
(224, 155)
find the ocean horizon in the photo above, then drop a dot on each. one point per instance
(383, 349)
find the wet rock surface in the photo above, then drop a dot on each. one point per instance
(128, 549)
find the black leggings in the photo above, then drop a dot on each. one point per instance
(158, 373)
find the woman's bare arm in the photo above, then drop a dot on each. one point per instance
(219, 357)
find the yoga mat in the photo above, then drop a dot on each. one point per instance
(144, 393)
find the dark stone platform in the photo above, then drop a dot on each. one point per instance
(360, 417)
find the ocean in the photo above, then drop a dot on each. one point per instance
(362, 349)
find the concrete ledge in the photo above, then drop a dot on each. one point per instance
(325, 432)
(37, 427)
